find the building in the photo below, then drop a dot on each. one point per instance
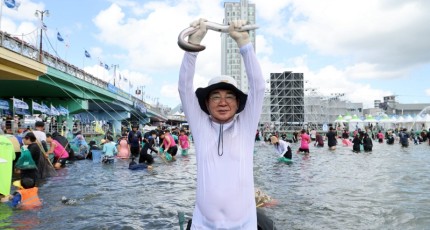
(390, 106)
(231, 60)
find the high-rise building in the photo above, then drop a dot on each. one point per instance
(231, 61)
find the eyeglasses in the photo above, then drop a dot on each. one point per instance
(229, 98)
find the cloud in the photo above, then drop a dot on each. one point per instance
(393, 35)
(428, 92)
(263, 47)
(150, 39)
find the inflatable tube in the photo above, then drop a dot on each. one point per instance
(346, 143)
(284, 160)
(139, 166)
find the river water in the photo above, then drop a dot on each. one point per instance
(386, 189)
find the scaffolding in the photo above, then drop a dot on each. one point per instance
(316, 114)
(286, 101)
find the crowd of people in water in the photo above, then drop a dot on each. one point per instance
(44, 153)
(41, 154)
(359, 140)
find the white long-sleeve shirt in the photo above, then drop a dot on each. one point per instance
(225, 184)
(282, 148)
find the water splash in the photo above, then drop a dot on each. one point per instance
(424, 111)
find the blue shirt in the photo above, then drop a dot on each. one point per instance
(109, 149)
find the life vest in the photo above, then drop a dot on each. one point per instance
(29, 198)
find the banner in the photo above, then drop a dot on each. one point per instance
(22, 112)
(4, 104)
(18, 104)
(112, 88)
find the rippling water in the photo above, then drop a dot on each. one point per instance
(387, 189)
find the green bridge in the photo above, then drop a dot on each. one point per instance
(53, 81)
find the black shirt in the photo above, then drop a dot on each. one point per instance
(35, 152)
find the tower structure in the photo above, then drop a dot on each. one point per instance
(231, 60)
(287, 101)
(316, 113)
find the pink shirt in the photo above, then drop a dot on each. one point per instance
(172, 141)
(305, 141)
(183, 140)
(59, 150)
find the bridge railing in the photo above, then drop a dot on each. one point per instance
(25, 49)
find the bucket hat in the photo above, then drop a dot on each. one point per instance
(221, 82)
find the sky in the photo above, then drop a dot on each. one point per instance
(364, 50)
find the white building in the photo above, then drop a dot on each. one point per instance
(231, 61)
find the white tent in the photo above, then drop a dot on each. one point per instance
(355, 123)
(340, 121)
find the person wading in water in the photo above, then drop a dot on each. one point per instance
(225, 196)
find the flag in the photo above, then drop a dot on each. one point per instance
(87, 54)
(46, 109)
(43, 26)
(63, 111)
(107, 66)
(54, 111)
(38, 107)
(19, 104)
(4, 104)
(12, 4)
(59, 37)
(101, 64)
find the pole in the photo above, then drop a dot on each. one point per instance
(40, 42)
(1, 15)
(42, 13)
(114, 73)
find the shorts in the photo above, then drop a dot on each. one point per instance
(134, 151)
(62, 161)
(304, 150)
(108, 160)
(173, 150)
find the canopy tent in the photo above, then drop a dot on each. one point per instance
(340, 121)
(355, 123)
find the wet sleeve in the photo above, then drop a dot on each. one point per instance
(256, 87)
(190, 104)
(16, 200)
